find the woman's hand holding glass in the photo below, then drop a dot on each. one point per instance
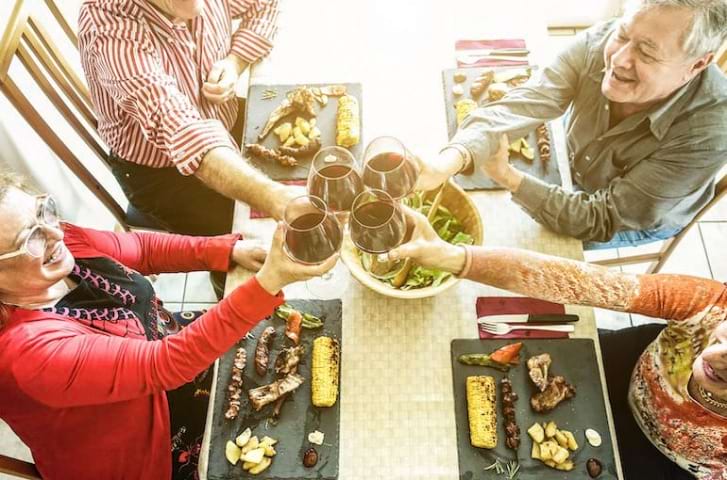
(426, 248)
(280, 269)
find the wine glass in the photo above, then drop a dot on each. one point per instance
(334, 179)
(390, 167)
(312, 236)
(377, 226)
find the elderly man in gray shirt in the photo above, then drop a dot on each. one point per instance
(646, 126)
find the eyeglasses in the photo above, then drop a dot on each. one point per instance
(36, 241)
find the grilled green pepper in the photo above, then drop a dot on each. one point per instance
(482, 360)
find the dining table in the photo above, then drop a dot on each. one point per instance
(397, 417)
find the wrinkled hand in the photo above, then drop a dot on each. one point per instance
(279, 270)
(434, 173)
(497, 166)
(249, 255)
(286, 194)
(426, 248)
(222, 78)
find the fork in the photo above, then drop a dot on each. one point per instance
(512, 54)
(503, 328)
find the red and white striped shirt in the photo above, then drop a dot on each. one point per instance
(145, 75)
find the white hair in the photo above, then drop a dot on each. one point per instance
(708, 30)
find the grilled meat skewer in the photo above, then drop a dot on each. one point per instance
(262, 351)
(289, 363)
(512, 431)
(234, 389)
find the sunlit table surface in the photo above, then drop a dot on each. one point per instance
(397, 405)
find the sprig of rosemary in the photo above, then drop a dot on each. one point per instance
(269, 93)
(511, 468)
(497, 466)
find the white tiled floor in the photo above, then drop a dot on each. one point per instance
(199, 289)
(714, 235)
(701, 253)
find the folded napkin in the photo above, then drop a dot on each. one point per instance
(508, 305)
(461, 46)
(259, 214)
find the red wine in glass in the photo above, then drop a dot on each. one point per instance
(334, 179)
(377, 222)
(388, 166)
(312, 233)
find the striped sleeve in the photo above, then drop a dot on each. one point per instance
(129, 69)
(253, 39)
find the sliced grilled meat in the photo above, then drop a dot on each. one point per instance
(288, 360)
(261, 396)
(538, 370)
(555, 392)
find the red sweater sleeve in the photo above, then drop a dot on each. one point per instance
(676, 297)
(151, 252)
(61, 367)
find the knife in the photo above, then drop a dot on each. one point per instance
(529, 318)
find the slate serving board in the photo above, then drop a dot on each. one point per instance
(546, 171)
(256, 116)
(298, 418)
(575, 359)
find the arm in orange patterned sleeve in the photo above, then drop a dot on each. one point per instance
(675, 297)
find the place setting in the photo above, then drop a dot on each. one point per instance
(486, 71)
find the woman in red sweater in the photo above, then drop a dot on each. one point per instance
(87, 351)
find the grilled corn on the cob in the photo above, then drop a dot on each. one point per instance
(463, 108)
(324, 372)
(348, 122)
(481, 411)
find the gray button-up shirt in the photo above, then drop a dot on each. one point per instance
(654, 169)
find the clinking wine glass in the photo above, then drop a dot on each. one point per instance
(389, 166)
(312, 236)
(377, 226)
(334, 179)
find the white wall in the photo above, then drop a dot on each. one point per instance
(569, 13)
(23, 151)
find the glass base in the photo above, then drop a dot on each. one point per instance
(330, 285)
(380, 265)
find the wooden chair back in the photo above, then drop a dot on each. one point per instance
(18, 468)
(27, 40)
(721, 57)
(62, 21)
(657, 260)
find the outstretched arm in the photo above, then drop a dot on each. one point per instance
(672, 297)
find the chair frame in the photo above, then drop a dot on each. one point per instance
(26, 39)
(18, 468)
(657, 260)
